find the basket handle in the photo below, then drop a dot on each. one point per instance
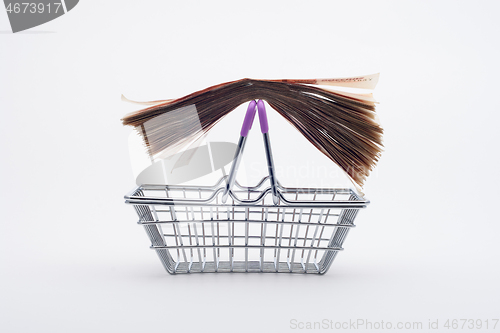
(249, 117)
(245, 128)
(264, 127)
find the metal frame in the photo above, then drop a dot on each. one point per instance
(264, 228)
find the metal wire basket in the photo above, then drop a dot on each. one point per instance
(265, 228)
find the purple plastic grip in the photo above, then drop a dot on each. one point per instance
(254, 112)
(250, 115)
(264, 126)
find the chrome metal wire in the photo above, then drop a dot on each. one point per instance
(263, 228)
(192, 231)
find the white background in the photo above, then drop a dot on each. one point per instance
(72, 257)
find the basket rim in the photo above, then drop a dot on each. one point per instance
(356, 202)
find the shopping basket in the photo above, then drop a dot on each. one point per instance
(232, 228)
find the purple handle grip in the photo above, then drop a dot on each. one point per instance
(264, 126)
(249, 117)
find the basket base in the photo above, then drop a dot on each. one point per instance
(245, 267)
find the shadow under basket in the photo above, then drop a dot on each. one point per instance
(192, 231)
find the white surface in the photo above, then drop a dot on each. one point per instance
(72, 258)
